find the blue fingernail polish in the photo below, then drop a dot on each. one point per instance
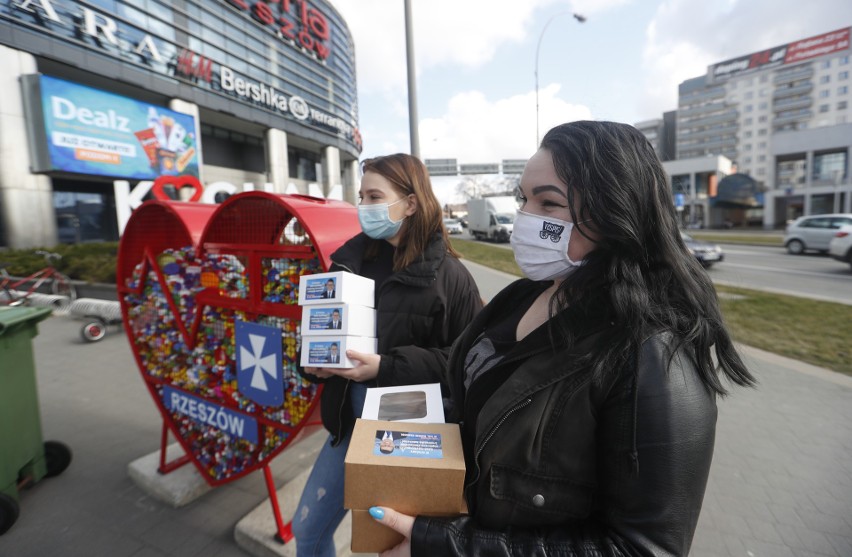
(377, 513)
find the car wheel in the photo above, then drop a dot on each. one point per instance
(795, 247)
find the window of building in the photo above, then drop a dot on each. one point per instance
(823, 108)
(842, 105)
(825, 79)
(304, 165)
(761, 158)
(842, 90)
(790, 171)
(748, 134)
(763, 119)
(763, 91)
(747, 160)
(761, 145)
(843, 60)
(825, 64)
(761, 131)
(842, 75)
(761, 171)
(829, 165)
(747, 147)
(232, 149)
(748, 108)
(763, 79)
(748, 121)
(763, 106)
(749, 95)
(824, 93)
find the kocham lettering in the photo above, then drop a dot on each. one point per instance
(228, 421)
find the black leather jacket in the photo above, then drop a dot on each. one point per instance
(562, 465)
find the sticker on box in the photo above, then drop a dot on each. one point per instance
(338, 319)
(323, 352)
(320, 288)
(324, 318)
(411, 444)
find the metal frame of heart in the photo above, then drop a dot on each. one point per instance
(206, 293)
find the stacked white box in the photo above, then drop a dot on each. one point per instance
(336, 287)
(337, 315)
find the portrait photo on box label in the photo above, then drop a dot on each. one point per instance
(325, 318)
(321, 289)
(410, 405)
(412, 444)
(324, 352)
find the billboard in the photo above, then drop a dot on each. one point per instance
(81, 130)
(799, 51)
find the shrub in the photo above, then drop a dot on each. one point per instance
(91, 262)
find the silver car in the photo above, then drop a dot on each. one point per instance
(453, 226)
(840, 247)
(814, 232)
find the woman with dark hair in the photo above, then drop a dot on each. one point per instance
(424, 299)
(586, 393)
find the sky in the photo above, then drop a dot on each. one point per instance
(475, 63)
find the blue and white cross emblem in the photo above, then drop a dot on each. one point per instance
(259, 355)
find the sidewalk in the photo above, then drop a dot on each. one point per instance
(780, 485)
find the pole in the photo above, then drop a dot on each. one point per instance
(412, 86)
(580, 19)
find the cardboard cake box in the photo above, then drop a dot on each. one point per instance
(338, 319)
(336, 287)
(414, 468)
(330, 351)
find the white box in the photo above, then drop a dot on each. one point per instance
(339, 287)
(338, 319)
(405, 403)
(319, 351)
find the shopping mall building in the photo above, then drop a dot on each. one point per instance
(104, 103)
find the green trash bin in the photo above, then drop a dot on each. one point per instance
(24, 457)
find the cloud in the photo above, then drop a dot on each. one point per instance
(446, 32)
(685, 36)
(475, 129)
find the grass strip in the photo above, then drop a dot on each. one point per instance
(807, 330)
(746, 239)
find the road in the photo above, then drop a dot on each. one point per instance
(772, 269)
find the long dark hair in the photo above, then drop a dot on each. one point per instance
(640, 269)
(409, 176)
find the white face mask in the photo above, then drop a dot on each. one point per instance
(541, 246)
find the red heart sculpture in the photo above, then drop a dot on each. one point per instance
(178, 182)
(209, 298)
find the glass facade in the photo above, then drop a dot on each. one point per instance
(294, 59)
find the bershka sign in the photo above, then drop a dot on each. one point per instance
(799, 51)
(270, 98)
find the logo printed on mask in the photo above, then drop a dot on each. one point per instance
(542, 260)
(551, 230)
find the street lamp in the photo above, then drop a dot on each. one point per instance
(580, 19)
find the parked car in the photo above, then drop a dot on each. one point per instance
(706, 253)
(814, 232)
(840, 247)
(453, 226)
